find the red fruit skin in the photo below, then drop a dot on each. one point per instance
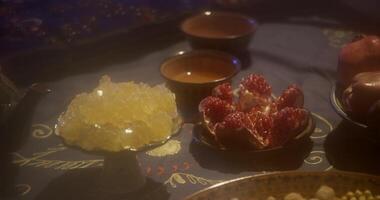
(362, 55)
(215, 109)
(287, 123)
(232, 134)
(373, 117)
(291, 97)
(235, 120)
(224, 92)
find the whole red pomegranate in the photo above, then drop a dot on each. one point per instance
(361, 55)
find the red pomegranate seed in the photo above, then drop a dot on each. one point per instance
(234, 120)
(224, 92)
(291, 97)
(287, 123)
(215, 108)
(256, 84)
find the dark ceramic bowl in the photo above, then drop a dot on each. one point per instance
(202, 137)
(193, 75)
(367, 131)
(335, 99)
(225, 31)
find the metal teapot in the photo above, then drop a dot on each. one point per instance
(16, 107)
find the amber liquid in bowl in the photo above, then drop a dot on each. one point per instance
(202, 69)
(191, 77)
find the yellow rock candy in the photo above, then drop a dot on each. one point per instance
(118, 116)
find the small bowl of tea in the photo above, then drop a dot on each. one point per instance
(193, 75)
(225, 31)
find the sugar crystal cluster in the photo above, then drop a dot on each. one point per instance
(118, 116)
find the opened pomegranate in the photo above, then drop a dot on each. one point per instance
(256, 120)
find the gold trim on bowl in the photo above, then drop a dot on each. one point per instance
(279, 183)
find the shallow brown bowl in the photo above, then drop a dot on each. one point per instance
(368, 131)
(281, 183)
(193, 75)
(225, 31)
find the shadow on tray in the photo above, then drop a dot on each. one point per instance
(289, 158)
(83, 184)
(352, 148)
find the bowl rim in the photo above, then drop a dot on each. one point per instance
(337, 105)
(97, 151)
(283, 173)
(236, 66)
(305, 133)
(220, 13)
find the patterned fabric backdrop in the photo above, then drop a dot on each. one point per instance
(34, 23)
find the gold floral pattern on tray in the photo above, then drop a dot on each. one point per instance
(323, 127)
(171, 147)
(41, 131)
(38, 160)
(183, 178)
(317, 157)
(23, 189)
